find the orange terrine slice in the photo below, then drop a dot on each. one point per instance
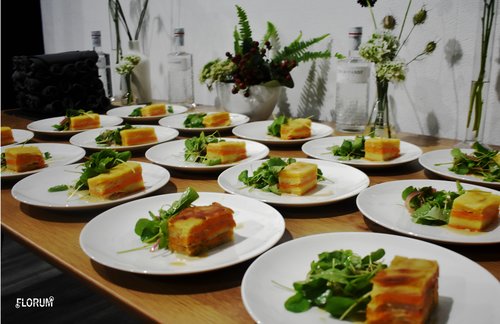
(298, 178)
(137, 136)
(227, 152)
(24, 158)
(154, 110)
(7, 136)
(474, 210)
(296, 128)
(85, 121)
(200, 228)
(381, 149)
(122, 179)
(405, 292)
(217, 119)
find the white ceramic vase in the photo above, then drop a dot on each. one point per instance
(258, 106)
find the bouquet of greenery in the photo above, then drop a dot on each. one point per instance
(259, 63)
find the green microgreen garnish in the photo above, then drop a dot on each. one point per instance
(350, 149)
(275, 127)
(112, 136)
(196, 148)
(338, 282)
(194, 120)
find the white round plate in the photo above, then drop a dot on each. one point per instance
(342, 182)
(125, 111)
(61, 154)
(33, 190)
(44, 126)
(258, 228)
(177, 122)
(20, 136)
(321, 149)
(382, 203)
(257, 131)
(468, 293)
(430, 159)
(87, 138)
(171, 154)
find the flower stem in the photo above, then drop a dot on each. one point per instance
(404, 20)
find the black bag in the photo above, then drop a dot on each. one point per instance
(49, 84)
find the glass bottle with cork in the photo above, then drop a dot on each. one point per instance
(103, 63)
(352, 87)
(180, 82)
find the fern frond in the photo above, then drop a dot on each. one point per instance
(237, 40)
(298, 50)
(244, 28)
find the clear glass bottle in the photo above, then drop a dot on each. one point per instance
(180, 81)
(352, 88)
(103, 64)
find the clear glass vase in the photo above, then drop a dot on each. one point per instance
(128, 97)
(378, 124)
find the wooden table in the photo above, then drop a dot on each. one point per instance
(212, 297)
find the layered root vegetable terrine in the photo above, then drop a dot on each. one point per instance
(154, 110)
(138, 136)
(217, 119)
(85, 121)
(296, 128)
(24, 158)
(474, 210)
(122, 179)
(7, 136)
(381, 149)
(298, 178)
(200, 228)
(405, 292)
(227, 152)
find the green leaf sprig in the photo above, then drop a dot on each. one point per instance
(112, 136)
(275, 128)
(64, 124)
(338, 282)
(429, 206)
(194, 120)
(350, 149)
(266, 176)
(196, 148)
(482, 162)
(154, 231)
(137, 112)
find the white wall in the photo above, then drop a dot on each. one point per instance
(433, 100)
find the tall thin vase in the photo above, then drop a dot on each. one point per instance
(480, 85)
(141, 75)
(378, 124)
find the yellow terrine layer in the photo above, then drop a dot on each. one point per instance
(474, 210)
(381, 149)
(122, 179)
(154, 110)
(7, 136)
(86, 121)
(24, 158)
(298, 178)
(227, 152)
(405, 292)
(137, 136)
(197, 229)
(217, 119)
(296, 128)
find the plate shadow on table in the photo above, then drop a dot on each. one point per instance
(339, 208)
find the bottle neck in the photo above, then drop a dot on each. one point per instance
(96, 42)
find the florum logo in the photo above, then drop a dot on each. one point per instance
(35, 302)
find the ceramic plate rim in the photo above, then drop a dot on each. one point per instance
(423, 231)
(181, 128)
(79, 150)
(274, 200)
(93, 205)
(277, 222)
(445, 173)
(170, 134)
(409, 147)
(304, 250)
(199, 167)
(33, 126)
(325, 130)
(116, 112)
